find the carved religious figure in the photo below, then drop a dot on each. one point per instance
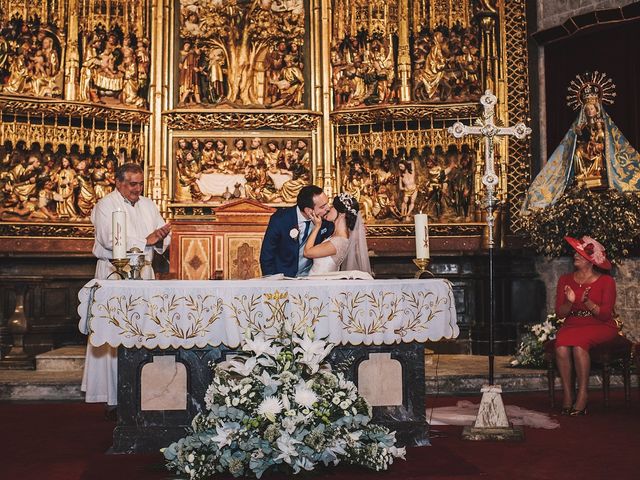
(593, 152)
(265, 169)
(33, 59)
(190, 69)
(431, 75)
(41, 184)
(114, 68)
(66, 184)
(249, 53)
(590, 138)
(407, 187)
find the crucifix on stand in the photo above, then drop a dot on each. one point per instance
(492, 422)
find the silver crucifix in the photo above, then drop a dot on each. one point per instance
(489, 130)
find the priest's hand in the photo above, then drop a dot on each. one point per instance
(158, 235)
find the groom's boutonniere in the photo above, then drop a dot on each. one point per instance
(294, 232)
(323, 231)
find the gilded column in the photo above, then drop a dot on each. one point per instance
(316, 86)
(165, 170)
(488, 52)
(156, 94)
(404, 59)
(72, 57)
(329, 181)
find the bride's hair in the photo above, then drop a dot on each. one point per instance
(345, 203)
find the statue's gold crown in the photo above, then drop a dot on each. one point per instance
(590, 87)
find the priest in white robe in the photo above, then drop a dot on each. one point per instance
(146, 230)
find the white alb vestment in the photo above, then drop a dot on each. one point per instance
(100, 377)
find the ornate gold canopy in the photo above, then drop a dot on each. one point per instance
(227, 99)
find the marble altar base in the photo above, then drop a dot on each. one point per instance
(148, 430)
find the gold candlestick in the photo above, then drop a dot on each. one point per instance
(120, 264)
(423, 267)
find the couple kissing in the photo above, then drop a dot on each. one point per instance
(315, 237)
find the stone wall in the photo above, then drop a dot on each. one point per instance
(627, 277)
(552, 12)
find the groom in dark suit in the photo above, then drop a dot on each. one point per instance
(287, 233)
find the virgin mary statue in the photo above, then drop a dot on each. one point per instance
(594, 152)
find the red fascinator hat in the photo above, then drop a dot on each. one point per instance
(591, 250)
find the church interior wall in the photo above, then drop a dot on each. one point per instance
(553, 13)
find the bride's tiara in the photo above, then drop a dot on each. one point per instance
(348, 201)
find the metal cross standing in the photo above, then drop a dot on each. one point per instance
(489, 130)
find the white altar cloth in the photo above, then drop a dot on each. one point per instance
(187, 314)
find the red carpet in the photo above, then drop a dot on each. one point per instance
(69, 441)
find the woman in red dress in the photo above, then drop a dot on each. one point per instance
(585, 298)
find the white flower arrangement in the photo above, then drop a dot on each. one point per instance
(531, 349)
(281, 409)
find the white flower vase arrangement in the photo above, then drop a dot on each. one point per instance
(531, 349)
(279, 408)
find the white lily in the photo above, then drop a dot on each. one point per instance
(313, 352)
(223, 436)
(243, 368)
(286, 446)
(289, 424)
(268, 381)
(260, 346)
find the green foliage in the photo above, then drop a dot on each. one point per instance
(610, 217)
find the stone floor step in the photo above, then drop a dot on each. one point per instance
(445, 375)
(65, 359)
(40, 386)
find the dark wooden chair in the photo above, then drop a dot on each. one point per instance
(602, 355)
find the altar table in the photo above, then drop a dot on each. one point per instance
(377, 326)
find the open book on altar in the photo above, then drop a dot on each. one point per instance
(339, 275)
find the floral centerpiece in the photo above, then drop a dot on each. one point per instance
(279, 407)
(531, 349)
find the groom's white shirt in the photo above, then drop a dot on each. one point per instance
(301, 220)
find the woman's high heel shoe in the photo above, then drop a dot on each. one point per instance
(566, 410)
(577, 413)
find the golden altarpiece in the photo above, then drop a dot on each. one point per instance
(232, 106)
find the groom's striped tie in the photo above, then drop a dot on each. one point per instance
(304, 264)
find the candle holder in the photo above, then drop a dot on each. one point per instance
(120, 264)
(423, 267)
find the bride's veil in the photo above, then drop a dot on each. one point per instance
(357, 257)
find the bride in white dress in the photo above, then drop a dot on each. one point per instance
(346, 249)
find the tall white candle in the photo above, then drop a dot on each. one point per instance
(422, 235)
(119, 232)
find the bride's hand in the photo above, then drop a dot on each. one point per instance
(316, 219)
